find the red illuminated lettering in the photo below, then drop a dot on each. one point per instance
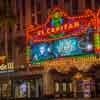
(65, 26)
(76, 24)
(48, 30)
(70, 26)
(53, 30)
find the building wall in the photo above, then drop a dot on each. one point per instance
(35, 12)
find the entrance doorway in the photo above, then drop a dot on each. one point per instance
(83, 86)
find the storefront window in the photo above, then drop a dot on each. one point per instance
(64, 88)
(83, 86)
(20, 89)
(33, 88)
(57, 87)
(36, 88)
(5, 88)
(28, 88)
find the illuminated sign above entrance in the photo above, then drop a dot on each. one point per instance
(59, 26)
(62, 35)
(9, 67)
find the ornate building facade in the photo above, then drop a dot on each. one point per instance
(54, 79)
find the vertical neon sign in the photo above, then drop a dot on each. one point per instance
(97, 34)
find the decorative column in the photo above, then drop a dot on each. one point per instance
(47, 84)
(13, 3)
(28, 12)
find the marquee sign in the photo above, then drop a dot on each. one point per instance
(62, 35)
(58, 26)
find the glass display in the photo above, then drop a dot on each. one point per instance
(28, 88)
(21, 89)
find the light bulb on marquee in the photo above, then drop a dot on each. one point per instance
(89, 47)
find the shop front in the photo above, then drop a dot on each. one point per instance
(21, 87)
(83, 86)
(79, 85)
(28, 88)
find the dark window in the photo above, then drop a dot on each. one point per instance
(7, 7)
(55, 2)
(67, 5)
(74, 7)
(18, 14)
(10, 49)
(38, 6)
(88, 4)
(48, 3)
(23, 7)
(97, 4)
(33, 20)
(39, 18)
(32, 6)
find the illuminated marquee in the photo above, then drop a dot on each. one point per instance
(54, 30)
(58, 26)
(62, 35)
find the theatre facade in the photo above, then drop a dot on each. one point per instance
(62, 58)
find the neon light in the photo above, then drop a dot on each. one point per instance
(58, 22)
(60, 26)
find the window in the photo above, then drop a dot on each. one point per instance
(39, 18)
(74, 7)
(97, 4)
(33, 20)
(6, 89)
(23, 9)
(67, 5)
(28, 88)
(32, 6)
(38, 6)
(7, 7)
(55, 2)
(88, 4)
(20, 89)
(48, 4)
(18, 15)
(57, 87)
(10, 49)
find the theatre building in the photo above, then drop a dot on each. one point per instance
(54, 56)
(67, 48)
